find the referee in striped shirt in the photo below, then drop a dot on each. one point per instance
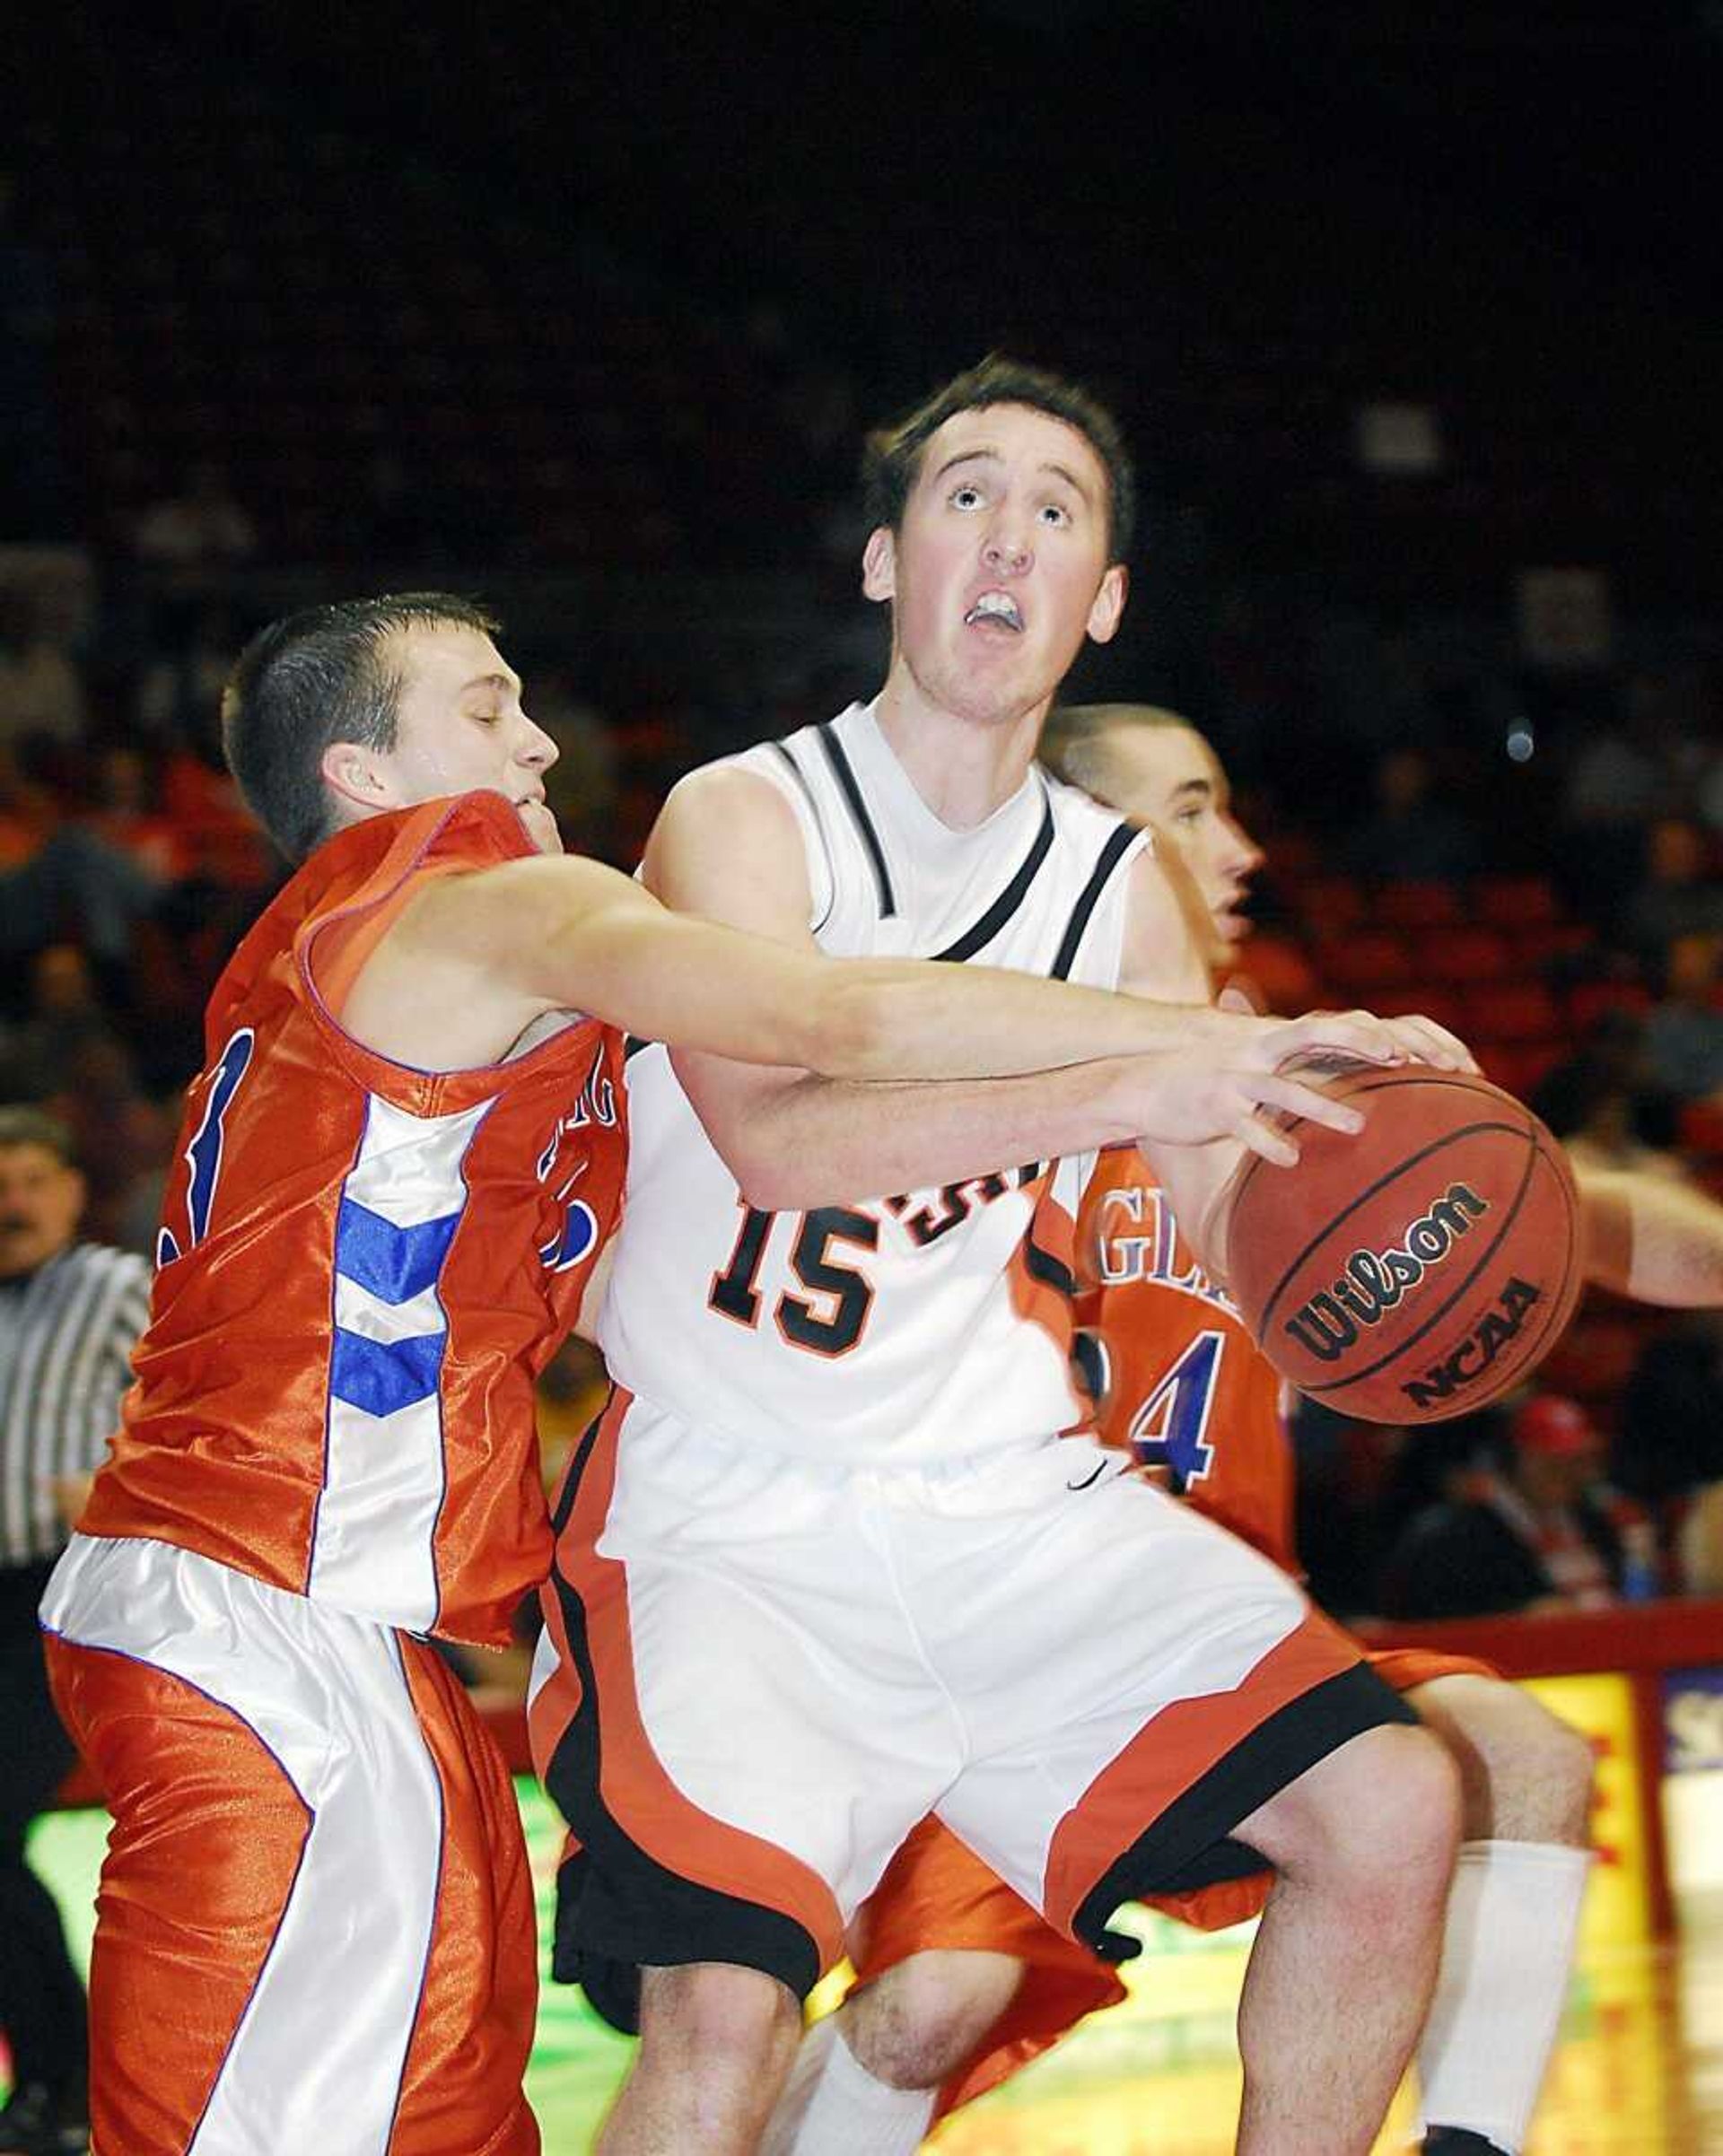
(70, 1315)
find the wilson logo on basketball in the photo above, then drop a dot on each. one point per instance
(1464, 1365)
(1376, 1281)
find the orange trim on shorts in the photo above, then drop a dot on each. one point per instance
(635, 1789)
(1173, 1751)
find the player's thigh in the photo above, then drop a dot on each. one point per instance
(296, 1794)
(1182, 1680)
(728, 1708)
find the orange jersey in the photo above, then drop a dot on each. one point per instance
(1177, 1379)
(363, 1266)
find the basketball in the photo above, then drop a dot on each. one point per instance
(1419, 1268)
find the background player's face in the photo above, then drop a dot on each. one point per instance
(41, 1199)
(1167, 776)
(1000, 567)
(461, 727)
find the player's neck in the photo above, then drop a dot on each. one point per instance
(963, 766)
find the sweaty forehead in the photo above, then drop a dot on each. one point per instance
(446, 655)
(1014, 432)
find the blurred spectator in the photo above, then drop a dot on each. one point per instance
(70, 1314)
(42, 692)
(75, 882)
(1670, 1437)
(1683, 1034)
(184, 682)
(1604, 1104)
(1677, 895)
(202, 529)
(1409, 835)
(123, 816)
(63, 1012)
(1621, 773)
(1539, 1533)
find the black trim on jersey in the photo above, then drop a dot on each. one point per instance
(1089, 899)
(782, 748)
(632, 1045)
(618, 1908)
(851, 793)
(1191, 1845)
(1011, 897)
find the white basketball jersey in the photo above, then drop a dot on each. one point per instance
(931, 1325)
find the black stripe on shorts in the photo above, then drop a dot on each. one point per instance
(618, 1910)
(1191, 1843)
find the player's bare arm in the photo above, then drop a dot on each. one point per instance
(1652, 1238)
(478, 957)
(727, 846)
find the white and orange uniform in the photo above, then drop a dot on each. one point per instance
(1180, 1384)
(827, 1563)
(315, 1924)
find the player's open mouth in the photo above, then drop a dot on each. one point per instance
(998, 608)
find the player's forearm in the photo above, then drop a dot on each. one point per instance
(1654, 1239)
(825, 1141)
(893, 1019)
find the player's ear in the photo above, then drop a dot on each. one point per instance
(1108, 607)
(356, 774)
(879, 565)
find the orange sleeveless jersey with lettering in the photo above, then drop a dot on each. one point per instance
(1177, 1376)
(361, 1267)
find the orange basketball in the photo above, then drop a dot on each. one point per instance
(1419, 1268)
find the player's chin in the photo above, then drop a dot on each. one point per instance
(541, 826)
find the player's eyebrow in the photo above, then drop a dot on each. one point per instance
(510, 683)
(1201, 790)
(981, 456)
(987, 454)
(1071, 479)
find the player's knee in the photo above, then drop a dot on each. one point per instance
(914, 2026)
(1526, 1775)
(710, 2013)
(1378, 1818)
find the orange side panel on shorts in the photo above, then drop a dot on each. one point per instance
(937, 1894)
(193, 1889)
(1406, 1668)
(636, 1791)
(460, 2087)
(1173, 1751)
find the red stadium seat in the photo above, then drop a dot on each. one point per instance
(1418, 906)
(1513, 1011)
(1590, 999)
(1516, 902)
(1360, 961)
(1465, 954)
(1519, 1066)
(1332, 902)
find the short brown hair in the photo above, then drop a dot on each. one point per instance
(26, 1126)
(1074, 740)
(893, 456)
(315, 677)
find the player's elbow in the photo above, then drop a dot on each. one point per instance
(849, 1025)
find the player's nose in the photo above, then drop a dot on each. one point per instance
(538, 750)
(1006, 547)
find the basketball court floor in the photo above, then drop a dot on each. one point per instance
(1638, 2072)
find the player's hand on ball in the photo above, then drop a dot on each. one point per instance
(1342, 1040)
(1195, 1096)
